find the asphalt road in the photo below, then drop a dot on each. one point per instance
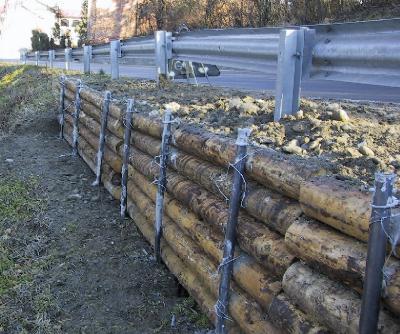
(264, 83)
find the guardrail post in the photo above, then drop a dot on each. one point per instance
(377, 242)
(23, 57)
(163, 40)
(115, 53)
(290, 66)
(51, 58)
(37, 56)
(87, 56)
(68, 58)
(226, 265)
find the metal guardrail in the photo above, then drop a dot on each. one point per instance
(248, 49)
(363, 52)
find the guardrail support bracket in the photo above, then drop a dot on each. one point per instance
(115, 51)
(163, 40)
(87, 56)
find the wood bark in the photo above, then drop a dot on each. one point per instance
(328, 302)
(255, 238)
(109, 156)
(248, 274)
(272, 169)
(114, 125)
(286, 316)
(246, 312)
(336, 204)
(340, 257)
(93, 126)
(111, 180)
(186, 277)
(276, 211)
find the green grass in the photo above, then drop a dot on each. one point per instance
(188, 309)
(17, 201)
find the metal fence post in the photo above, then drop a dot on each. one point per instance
(75, 131)
(125, 160)
(37, 57)
(115, 53)
(68, 58)
(162, 182)
(62, 106)
(377, 242)
(163, 53)
(102, 137)
(87, 56)
(226, 265)
(290, 65)
(51, 58)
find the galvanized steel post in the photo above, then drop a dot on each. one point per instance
(163, 53)
(51, 58)
(115, 53)
(75, 131)
(87, 56)
(162, 182)
(125, 158)
(290, 64)
(102, 137)
(68, 58)
(37, 57)
(226, 265)
(377, 242)
(62, 106)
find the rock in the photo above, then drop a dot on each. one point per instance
(341, 116)
(365, 150)
(333, 107)
(249, 108)
(173, 106)
(300, 114)
(306, 140)
(298, 128)
(248, 99)
(95, 198)
(234, 103)
(353, 152)
(10, 161)
(315, 144)
(154, 113)
(347, 127)
(293, 147)
(75, 196)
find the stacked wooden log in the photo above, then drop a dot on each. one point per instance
(302, 234)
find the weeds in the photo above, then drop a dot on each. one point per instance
(188, 309)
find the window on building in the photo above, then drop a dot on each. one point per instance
(75, 23)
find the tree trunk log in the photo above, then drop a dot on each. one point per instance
(186, 277)
(275, 210)
(255, 238)
(336, 204)
(244, 311)
(329, 302)
(340, 257)
(286, 316)
(255, 280)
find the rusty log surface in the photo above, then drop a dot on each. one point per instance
(329, 302)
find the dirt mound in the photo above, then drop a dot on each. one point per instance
(354, 139)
